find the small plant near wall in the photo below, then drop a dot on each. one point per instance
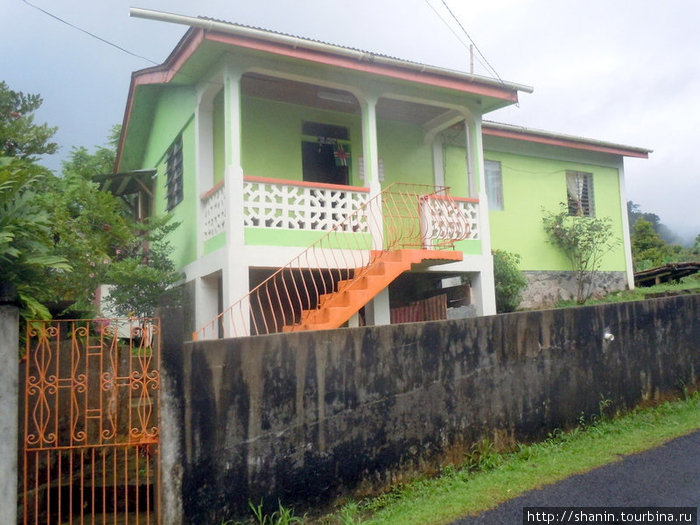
(584, 241)
(509, 280)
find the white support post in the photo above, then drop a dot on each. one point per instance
(483, 295)
(207, 303)
(371, 165)
(626, 239)
(204, 154)
(235, 276)
(483, 286)
(378, 310)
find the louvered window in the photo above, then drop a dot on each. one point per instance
(173, 161)
(579, 188)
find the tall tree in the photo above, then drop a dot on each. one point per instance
(648, 248)
(26, 248)
(635, 213)
(89, 227)
(97, 233)
(20, 137)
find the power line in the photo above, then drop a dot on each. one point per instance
(485, 64)
(470, 39)
(89, 33)
(457, 35)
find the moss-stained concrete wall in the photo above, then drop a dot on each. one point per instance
(304, 417)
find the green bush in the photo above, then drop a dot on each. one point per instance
(510, 281)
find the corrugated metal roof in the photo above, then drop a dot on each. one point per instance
(301, 37)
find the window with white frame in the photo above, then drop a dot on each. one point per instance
(579, 189)
(173, 173)
(494, 184)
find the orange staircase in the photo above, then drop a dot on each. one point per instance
(347, 266)
(337, 307)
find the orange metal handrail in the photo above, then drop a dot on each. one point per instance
(403, 216)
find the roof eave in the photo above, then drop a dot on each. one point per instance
(509, 131)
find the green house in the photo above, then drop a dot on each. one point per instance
(320, 186)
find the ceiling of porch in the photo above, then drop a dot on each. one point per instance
(294, 92)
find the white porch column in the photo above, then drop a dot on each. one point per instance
(483, 285)
(370, 149)
(377, 311)
(626, 239)
(235, 274)
(206, 303)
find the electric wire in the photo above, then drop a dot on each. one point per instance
(89, 33)
(97, 37)
(455, 33)
(485, 63)
(471, 39)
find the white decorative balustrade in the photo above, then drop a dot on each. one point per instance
(214, 211)
(470, 208)
(296, 205)
(446, 217)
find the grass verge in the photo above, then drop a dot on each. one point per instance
(488, 479)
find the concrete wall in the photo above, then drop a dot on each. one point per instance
(9, 395)
(305, 417)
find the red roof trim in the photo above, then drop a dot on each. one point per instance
(161, 74)
(564, 143)
(431, 79)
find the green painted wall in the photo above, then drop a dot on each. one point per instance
(455, 166)
(303, 238)
(405, 155)
(271, 142)
(271, 147)
(174, 114)
(531, 183)
(215, 243)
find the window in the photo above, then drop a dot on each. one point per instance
(494, 184)
(325, 153)
(173, 171)
(579, 189)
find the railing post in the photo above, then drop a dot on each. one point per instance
(9, 401)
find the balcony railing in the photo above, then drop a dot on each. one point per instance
(298, 205)
(214, 211)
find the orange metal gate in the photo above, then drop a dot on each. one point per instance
(91, 422)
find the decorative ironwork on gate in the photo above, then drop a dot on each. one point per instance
(91, 422)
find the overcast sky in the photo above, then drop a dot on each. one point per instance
(622, 71)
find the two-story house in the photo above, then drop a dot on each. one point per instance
(319, 186)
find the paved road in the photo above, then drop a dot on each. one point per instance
(667, 476)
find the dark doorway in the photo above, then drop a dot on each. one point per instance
(318, 162)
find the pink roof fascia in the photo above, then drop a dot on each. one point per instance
(564, 142)
(432, 79)
(161, 74)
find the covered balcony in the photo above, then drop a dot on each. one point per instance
(284, 163)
